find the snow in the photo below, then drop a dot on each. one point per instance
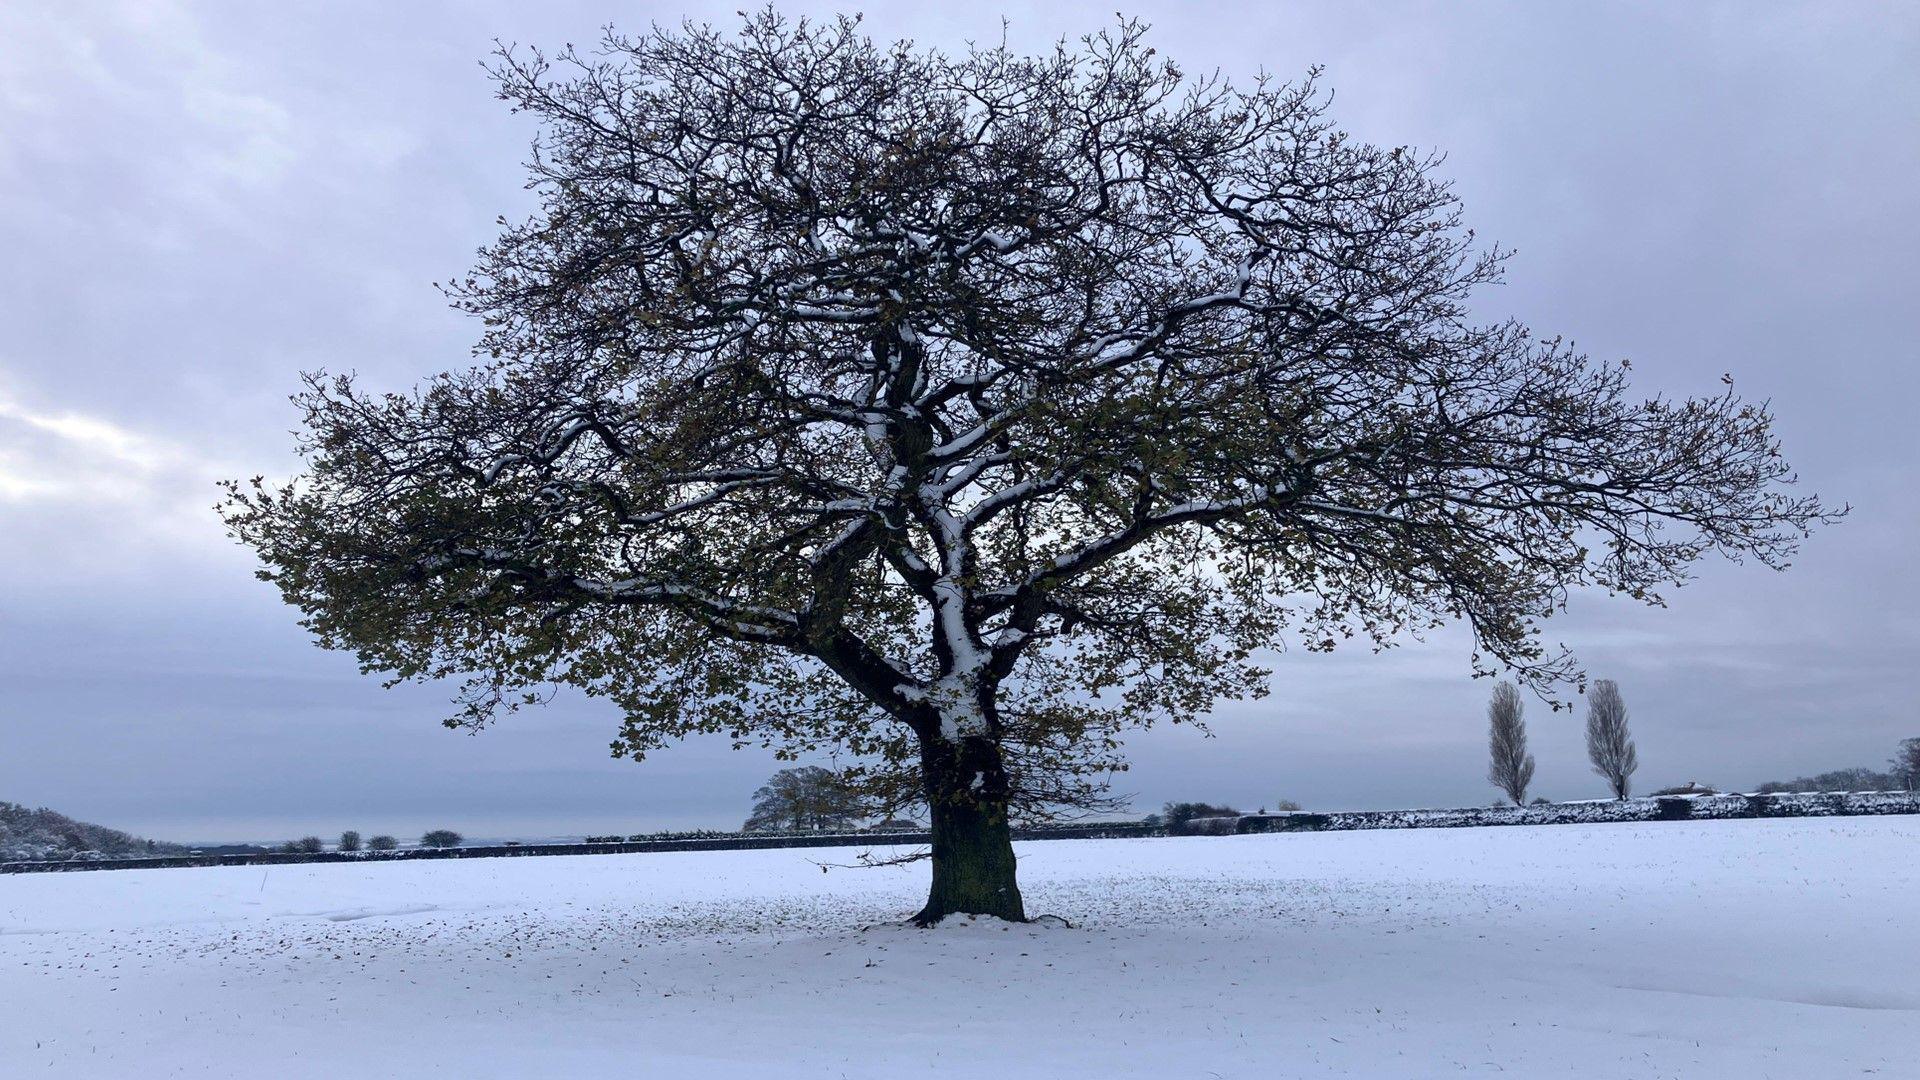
(1735, 948)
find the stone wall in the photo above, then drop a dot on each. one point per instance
(743, 841)
(1667, 808)
(1670, 808)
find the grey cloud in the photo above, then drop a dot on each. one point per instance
(201, 200)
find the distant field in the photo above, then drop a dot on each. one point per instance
(1702, 949)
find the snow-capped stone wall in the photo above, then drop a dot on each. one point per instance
(1663, 808)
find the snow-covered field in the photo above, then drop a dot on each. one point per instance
(1782, 948)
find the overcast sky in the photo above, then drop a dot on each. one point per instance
(199, 201)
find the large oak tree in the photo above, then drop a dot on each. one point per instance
(964, 411)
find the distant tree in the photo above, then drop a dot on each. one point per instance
(804, 798)
(305, 845)
(1511, 768)
(382, 842)
(1609, 743)
(1180, 815)
(441, 838)
(349, 841)
(1286, 806)
(1906, 764)
(1541, 800)
(28, 834)
(1856, 778)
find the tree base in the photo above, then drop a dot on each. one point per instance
(923, 921)
(973, 866)
(973, 863)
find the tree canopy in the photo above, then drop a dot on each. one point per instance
(965, 411)
(807, 797)
(1610, 743)
(1510, 766)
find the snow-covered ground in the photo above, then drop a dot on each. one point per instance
(1782, 948)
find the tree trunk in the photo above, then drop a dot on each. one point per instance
(973, 864)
